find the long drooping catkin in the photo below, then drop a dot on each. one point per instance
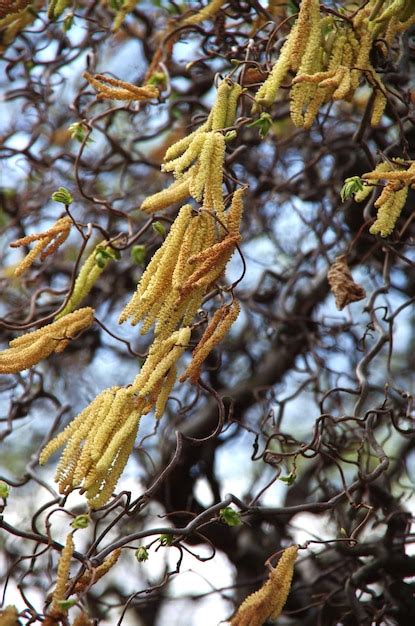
(268, 602)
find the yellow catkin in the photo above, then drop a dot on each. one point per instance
(87, 277)
(183, 269)
(220, 107)
(48, 242)
(344, 85)
(213, 196)
(177, 192)
(63, 573)
(209, 277)
(115, 89)
(232, 105)
(198, 182)
(206, 13)
(301, 33)
(389, 212)
(399, 175)
(213, 335)
(362, 60)
(267, 93)
(29, 349)
(268, 602)
(92, 576)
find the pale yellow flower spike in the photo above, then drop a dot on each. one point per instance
(183, 269)
(119, 89)
(63, 574)
(177, 192)
(406, 176)
(116, 443)
(48, 242)
(268, 602)
(235, 212)
(362, 59)
(29, 349)
(213, 188)
(206, 13)
(198, 183)
(233, 104)
(267, 93)
(220, 108)
(301, 32)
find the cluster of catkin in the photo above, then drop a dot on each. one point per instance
(114, 89)
(330, 57)
(99, 441)
(268, 602)
(190, 261)
(47, 242)
(399, 177)
(29, 349)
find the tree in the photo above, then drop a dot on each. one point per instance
(265, 408)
